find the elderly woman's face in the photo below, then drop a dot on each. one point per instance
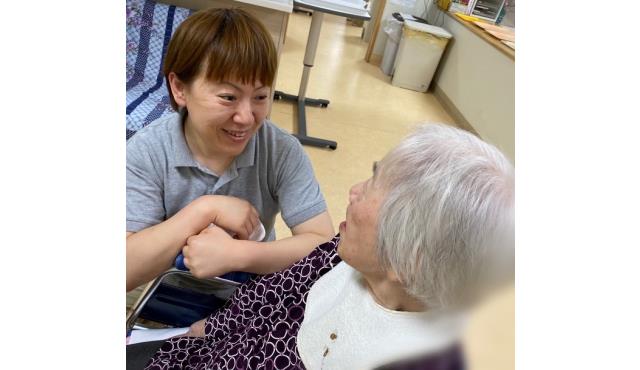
(359, 233)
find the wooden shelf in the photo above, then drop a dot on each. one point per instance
(486, 36)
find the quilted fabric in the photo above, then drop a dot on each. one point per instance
(149, 29)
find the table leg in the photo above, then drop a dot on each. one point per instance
(302, 101)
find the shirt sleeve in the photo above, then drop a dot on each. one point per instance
(273, 293)
(145, 203)
(297, 189)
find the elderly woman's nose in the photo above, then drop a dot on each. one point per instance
(355, 191)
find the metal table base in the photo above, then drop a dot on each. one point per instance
(300, 99)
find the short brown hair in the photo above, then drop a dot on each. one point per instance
(229, 43)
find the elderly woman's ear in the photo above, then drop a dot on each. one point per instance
(392, 276)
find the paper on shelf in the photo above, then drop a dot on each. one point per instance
(502, 36)
(510, 44)
(493, 27)
(468, 18)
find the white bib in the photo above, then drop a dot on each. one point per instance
(344, 328)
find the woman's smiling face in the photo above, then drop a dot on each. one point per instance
(224, 114)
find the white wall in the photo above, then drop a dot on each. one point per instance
(480, 81)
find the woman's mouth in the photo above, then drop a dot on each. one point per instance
(343, 226)
(237, 136)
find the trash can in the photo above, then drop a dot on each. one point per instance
(393, 29)
(419, 53)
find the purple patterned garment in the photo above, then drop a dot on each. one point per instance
(257, 328)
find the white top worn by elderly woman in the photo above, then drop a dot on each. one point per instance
(343, 319)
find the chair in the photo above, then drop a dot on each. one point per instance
(178, 299)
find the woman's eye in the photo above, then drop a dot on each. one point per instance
(261, 97)
(227, 97)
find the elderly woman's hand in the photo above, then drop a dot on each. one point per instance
(196, 329)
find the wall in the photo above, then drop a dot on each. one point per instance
(479, 81)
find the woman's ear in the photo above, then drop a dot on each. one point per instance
(178, 89)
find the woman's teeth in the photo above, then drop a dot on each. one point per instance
(236, 134)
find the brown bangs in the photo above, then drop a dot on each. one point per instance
(241, 49)
(223, 44)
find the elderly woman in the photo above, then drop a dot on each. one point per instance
(425, 237)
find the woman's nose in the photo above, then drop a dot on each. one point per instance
(244, 113)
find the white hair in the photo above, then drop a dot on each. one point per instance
(446, 226)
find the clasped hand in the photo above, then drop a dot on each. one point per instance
(234, 214)
(210, 253)
(213, 252)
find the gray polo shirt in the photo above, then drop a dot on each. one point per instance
(273, 173)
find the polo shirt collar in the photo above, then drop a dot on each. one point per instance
(247, 157)
(182, 154)
(184, 158)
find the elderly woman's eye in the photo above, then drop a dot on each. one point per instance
(375, 166)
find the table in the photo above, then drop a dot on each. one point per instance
(353, 9)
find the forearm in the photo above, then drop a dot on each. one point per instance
(265, 258)
(152, 251)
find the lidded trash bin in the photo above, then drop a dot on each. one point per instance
(419, 53)
(393, 29)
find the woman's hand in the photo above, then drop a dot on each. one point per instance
(210, 253)
(233, 214)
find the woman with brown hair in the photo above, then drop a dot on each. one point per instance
(219, 162)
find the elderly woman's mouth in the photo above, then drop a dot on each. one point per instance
(343, 226)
